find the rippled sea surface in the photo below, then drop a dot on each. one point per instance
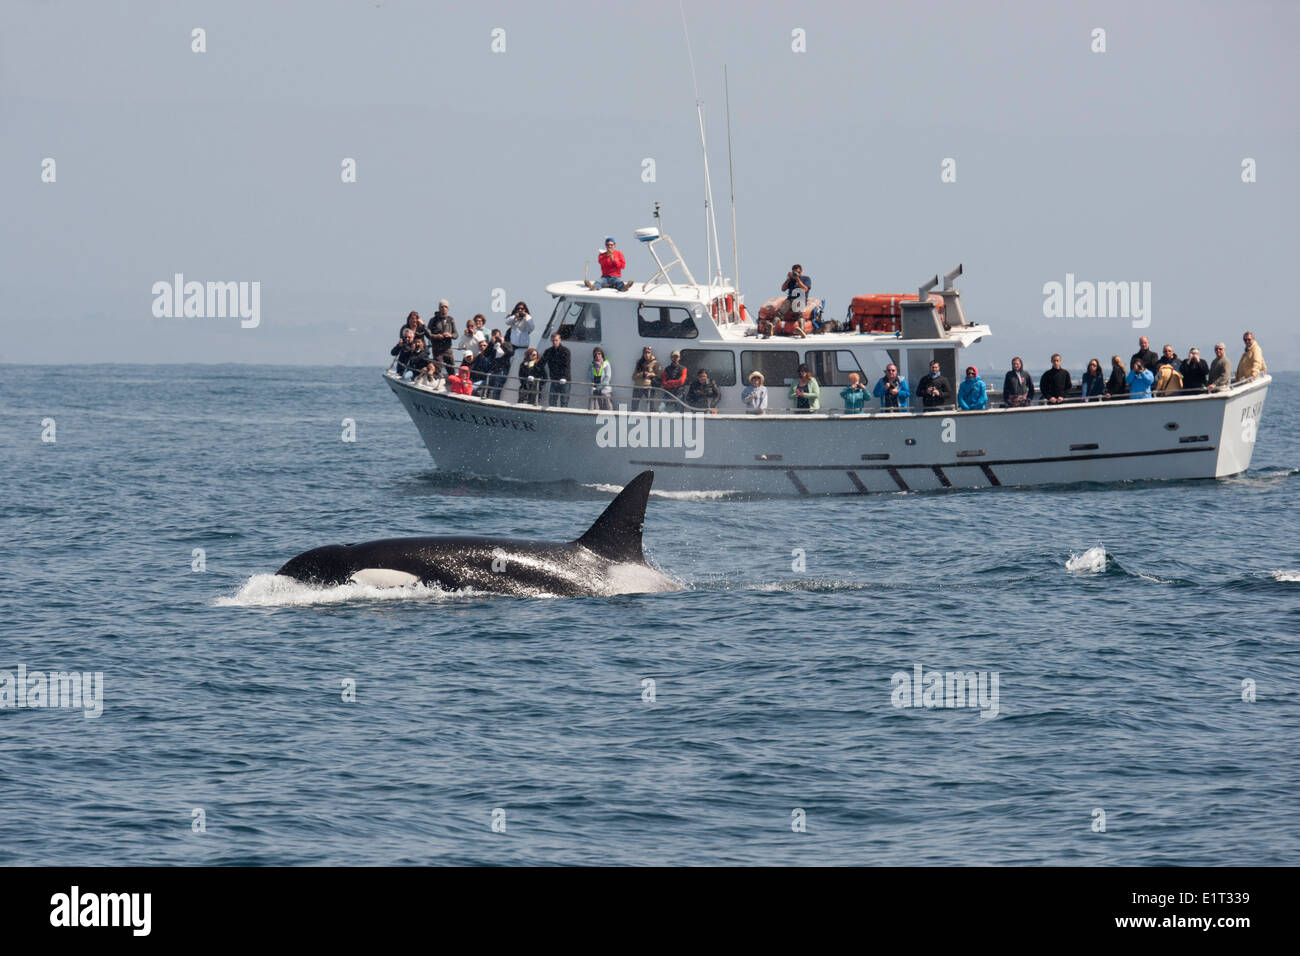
(1121, 622)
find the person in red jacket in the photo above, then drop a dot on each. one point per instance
(674, 380)
(611, 269)
(458, 382)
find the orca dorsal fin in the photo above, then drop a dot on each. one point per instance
(616, 534)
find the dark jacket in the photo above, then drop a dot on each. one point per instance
(411, 358)
(1094, 386)
(1195, 373)
(421, 330)
(1115, 385)
(1148, 357)
(703, 394)
(556, 360)
(500, 366)
(1165, 361)
(1055, 383)
(441, 333)
(537, 370)
(478, 372)
(674, 378)
(938, 382)
(1017, 387)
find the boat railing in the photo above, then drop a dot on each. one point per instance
(574, 394)
(637, 398)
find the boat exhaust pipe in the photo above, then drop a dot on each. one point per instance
(954, 316)
(920, 319)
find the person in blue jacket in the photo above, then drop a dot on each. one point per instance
(971, 394)
(854, 395)
(1139, 380)
(892, 390)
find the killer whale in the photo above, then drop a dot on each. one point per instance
(607, 559)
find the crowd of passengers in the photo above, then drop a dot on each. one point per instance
(477, 362)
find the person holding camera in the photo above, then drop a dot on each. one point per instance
(805, 393)
(854, 395)
(935, 389)
(470, 340)
(520, 324)
(796, 288)
(612, 265)
(412, 354)
(499, 355)
(891, 389)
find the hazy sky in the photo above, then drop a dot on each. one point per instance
(479, 169)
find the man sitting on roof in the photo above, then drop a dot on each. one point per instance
(612, 264)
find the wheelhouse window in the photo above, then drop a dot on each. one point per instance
(778, 368)
(581, 322)
(719, 363)
(557, 313)
(665, 322)
(832, 366)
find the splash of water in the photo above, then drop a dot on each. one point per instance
(274, 590)
(1092, 561)
(721, 495)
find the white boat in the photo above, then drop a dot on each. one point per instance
(1189, 435)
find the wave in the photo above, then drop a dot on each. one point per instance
(1286, 577)
(1097, 560)
(274, 590)
(720, 495)
(805, 586)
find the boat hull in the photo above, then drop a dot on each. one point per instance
(1194, 436)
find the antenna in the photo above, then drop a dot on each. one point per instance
(731, 173)
(710, 222)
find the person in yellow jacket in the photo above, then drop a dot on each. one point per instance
(1252, 360)
(1168, 381)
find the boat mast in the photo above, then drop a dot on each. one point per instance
(711, 250)
(731, 177)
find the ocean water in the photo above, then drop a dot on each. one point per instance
(1125, 625)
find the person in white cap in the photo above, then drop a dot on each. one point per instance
(612, 264)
